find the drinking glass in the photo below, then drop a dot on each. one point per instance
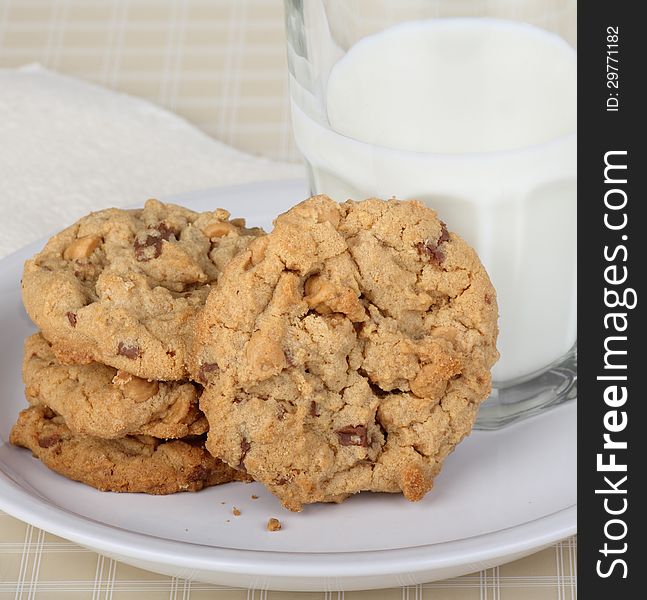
(469, 106)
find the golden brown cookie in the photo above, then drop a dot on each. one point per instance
(121, 287)
(130, 464)
(101, 401)
(348, 350)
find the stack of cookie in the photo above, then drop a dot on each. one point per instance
(115, 296)
(346, 351)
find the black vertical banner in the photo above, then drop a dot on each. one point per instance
(612, 262)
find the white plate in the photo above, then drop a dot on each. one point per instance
(502, 495)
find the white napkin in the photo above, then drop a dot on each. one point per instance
(68, 147)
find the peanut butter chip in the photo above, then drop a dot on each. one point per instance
(121, 377)
(273, 524)
(82, 247)
(326, 298)
(258, 248)
(139, 389)
(219, 229)
(317, 292)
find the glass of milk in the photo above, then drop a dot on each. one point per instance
(470, 106)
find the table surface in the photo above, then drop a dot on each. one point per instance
(221, 64)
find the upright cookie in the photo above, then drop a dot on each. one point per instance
(348, 350)
(100, 401)
(130, 464)
(121, 287)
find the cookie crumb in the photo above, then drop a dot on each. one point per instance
(236, 512)
(273, 524)
(254, 497)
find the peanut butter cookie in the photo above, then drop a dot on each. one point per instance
(348, 350)
(130, 464)
(101, 401)
(121, 287)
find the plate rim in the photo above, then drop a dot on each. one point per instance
(519, 539)
(110, 539)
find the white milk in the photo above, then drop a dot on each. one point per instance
(477, 118)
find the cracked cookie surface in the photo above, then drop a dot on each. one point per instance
(122, 287)
(348, 350)
(130, 464)
(101, 401)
